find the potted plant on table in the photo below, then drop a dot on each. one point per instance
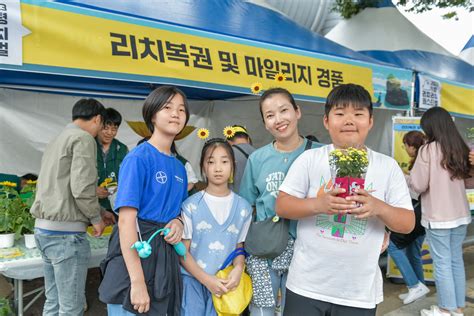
(349, 167)
(15, 217)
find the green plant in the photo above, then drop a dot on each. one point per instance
(5, 308)
(350, 162)
(470, 133)
(15, 214)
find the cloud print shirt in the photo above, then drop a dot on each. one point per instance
(212, 239)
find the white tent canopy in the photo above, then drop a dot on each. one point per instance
(30, 120)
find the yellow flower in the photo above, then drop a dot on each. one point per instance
(32, 182)
(105, 182)
(229, 132)
(256, 87)
(8, 184)
(280, 77)
(203, 133)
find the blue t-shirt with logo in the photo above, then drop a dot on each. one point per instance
(153, 183)
(264, 173)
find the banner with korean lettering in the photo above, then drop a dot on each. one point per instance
(457, 98)
(125, 48)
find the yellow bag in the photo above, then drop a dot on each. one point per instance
(234, 302)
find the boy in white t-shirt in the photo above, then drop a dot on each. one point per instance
(335, 269)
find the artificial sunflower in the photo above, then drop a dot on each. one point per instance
(229, 132)
(256, 87)
(106, 182)
(8, 184)
(280, 77)
(203, 133)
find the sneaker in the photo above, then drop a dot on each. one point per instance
(416, 292)
(433, 311)
(403, 296)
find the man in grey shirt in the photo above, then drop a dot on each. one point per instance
(242, 146)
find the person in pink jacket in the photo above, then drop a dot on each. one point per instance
(439, 175)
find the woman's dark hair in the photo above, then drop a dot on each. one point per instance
(157, 99)
(348, 95)
(29, 176)
(112, 117)
(415, 139)
(208, 149)
(273, 91)
(87, 109)
(439, 127)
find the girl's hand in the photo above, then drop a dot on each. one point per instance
(176, 231)
(329, 203)
(139, 297)
(368, 205)
(215, 285)
(233, 279)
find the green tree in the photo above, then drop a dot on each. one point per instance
(348, 8)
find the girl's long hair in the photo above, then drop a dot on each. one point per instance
(439, 127)
(415, 139)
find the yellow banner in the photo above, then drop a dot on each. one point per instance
(401, 126)
(457, 99)
(71, 40)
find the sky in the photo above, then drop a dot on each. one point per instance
(449, 33)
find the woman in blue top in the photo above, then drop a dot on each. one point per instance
(216, 223)
(265, 170)
(152, 186)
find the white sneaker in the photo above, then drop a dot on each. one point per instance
(434, 311)
(403, 296)
(416, 292)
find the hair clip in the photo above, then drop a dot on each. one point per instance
(203, 133)
(229, 132)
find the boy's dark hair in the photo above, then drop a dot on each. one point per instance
(439, 127)
(348, 95)
(87, 109)
(29, 176)
(415, 139)
(241, 133)
(157, 99)
(271, 92)
(112, 117)
(211, 145)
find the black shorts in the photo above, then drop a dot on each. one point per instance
(297, 305)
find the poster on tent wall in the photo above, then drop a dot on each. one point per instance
(115, 46)
(455, 97)
(401, 126)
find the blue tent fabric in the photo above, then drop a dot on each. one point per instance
(439, 65)
(469, 43)
(229, 17)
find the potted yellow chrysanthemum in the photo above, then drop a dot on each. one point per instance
(349, 167)
(15, 218)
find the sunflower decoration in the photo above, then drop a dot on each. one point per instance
(229, 132)
(256, 88)
(280, 77)
(203, 133)
(8, 184)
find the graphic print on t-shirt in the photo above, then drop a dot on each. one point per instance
(273, 182)
(340, 227)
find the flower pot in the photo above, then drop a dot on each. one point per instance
(349, 184)
(7, 240)
(30, 242)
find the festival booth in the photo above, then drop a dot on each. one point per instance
(119, 51)
(442, 79)
(54, 52)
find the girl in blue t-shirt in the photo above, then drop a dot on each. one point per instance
(152, 186)
(216, 223)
